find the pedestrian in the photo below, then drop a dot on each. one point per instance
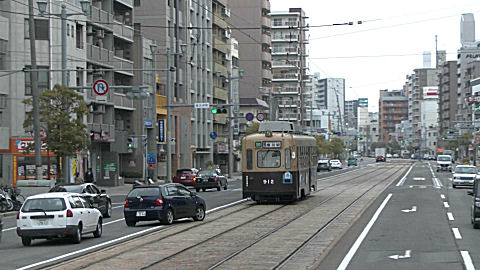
(89, 176)
(78, 179)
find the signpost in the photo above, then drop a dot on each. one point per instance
(249, 116)
(100, 87)
(213, 135)
(260, 117)
(201, 105)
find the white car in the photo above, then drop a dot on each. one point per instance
(335, 164)
(58, 215)
(464, 175)
(389, 156)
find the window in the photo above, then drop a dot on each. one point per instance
(288, 159)
(249, 159)
(172, 191)
(41, 29)
(3, 54)
(75, 202)
(43, 80)
(3, 102)
(184, 192)
(268, 159)
(79, 35)
(136, 3)
(44, 204)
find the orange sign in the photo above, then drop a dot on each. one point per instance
(19, 145)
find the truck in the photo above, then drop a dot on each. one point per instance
(380, 152)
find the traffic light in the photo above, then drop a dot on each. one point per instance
(448, 131)
(214, 110)
(402, 141)
(219, 108)
(444, 138)
(359, 138)
(478, 107)
(332, 133)
(129, 143)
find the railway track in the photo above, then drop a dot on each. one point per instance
(244, 218)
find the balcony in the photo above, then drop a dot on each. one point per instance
(266, 4)
(266, 74)
(266, 39)
(285, 64)
(161, 101)
(220, 45)
(126, 2)
(122, 102)
(266, 21)
(217, 20)
(123, 31)
(221, 68)
(99, 55)
(266, 56)
(286, 77)
(288, 104)
(285, 38)
(123, 66)
(107, 132)
(284, 51)
(220, 93)
(100, 17)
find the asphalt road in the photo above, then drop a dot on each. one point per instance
(13, 255)
(422, 223)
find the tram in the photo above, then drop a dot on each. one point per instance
(278, 164)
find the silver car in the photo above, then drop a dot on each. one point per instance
(464, 175)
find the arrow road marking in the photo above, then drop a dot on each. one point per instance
(396, 257)
(414, 209)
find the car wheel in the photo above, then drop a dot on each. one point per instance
(226, 186)
(219, 187)
(108, 210)
(200, 214)
(476, 225)
(197, 190)
(454, 186)
(77, 237)
(168, 219)
(98, 232)
(26, 241)
(130, 223)
(203, 189)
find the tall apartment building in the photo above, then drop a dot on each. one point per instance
(255, 45)
(351, 114)
(447, 95)
(99, 46)
(191, 79)
(289, 62)
(393, 109)
(331, 96)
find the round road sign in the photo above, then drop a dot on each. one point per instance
(260, 117)
(100, 87)
(213, 135)
(249, 116)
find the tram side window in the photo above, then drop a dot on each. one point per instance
(268, 159)
(249, 159)
(288, 159)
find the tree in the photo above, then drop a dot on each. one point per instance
(394, 146)
(252, 129)
(62, 111)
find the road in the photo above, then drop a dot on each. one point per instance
(423, 223)
(13, 255)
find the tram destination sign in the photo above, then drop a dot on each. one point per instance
(271, 144)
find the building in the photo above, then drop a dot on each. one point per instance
(447, 97)
(255, 45)
(393, 108)
(331, 96)
(289, 63)
(351, 113)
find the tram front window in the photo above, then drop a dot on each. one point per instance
(268, 159)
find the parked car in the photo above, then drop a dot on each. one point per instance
(323, 165)
(185, 176)
(464, 175)
(58, 214)
(396, 156)
(99, 198)
(165, 203)
(389, 156)
(336, 164)
(210, 178)
(475, 208)
(352, 161)
(380, 159)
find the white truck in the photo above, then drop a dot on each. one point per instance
(444, 163)
(380, 152)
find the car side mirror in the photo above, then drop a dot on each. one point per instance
(103, 191)
(470, 192)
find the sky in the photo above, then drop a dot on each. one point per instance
(379, 53)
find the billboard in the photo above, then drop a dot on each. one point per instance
(363, 102)
(430, 92)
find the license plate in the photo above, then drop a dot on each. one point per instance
(141, 213)
(42, 222)
(182, 177)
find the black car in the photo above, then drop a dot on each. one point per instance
(323, 165)
(211, 178)
(165, 203)
(380, 159)
(98, 197)
(475, 211)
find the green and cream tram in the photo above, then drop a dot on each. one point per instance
(278, 166)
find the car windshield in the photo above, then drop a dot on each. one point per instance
(322, 161)
(334, 161)
(74, 189)
(206, 172)
(444, 158)
(470, 170)
(144, 192)
(44, 205)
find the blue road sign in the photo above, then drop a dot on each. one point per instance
(249, 116)
(213, 135)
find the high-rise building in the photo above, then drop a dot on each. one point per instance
(392, 109)
(447, 93)
(351, 114)
(289, 62)
(331, 96)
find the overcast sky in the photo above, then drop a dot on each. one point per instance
(379, 53)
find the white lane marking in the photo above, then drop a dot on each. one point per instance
(9, 229)
(450, 216)
(118, 203)
(436, 182)
(414, 209)
(446, 204)
(346, 260)
(117, 206)
(456, 233)
(419, 179)
(405, 176)
(442, 196)
(467, 260)
(113, 221)
(406, 256)
(116, 239)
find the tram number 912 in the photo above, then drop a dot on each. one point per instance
(268, 181)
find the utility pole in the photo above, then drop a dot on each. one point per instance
(230, 127)
(35, 94)
(169, 123)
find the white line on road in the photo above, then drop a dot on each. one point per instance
(116, 239)
(404, 177)
(456, 233)
(419, 179)
(436, 182)
(450, 216)
(442, 196)
(467, 260)
(446, 204)
(362, 236)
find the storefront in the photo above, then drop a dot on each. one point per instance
(18, 164)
